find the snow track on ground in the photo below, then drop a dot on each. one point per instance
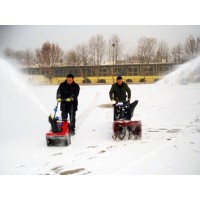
(169, 144)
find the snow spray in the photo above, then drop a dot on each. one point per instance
(183, 74)
(12, 79)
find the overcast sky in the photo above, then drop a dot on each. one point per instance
(68, 36)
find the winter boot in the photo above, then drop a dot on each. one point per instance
(71, 129)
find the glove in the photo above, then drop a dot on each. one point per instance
(59, 100)
(128, 101)
(68, 100)
(113, 101)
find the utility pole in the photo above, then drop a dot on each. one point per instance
(113, 45)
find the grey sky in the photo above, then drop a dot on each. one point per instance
(68, 36)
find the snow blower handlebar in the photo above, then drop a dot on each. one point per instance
(64, 100)
(59, 101)
(55, 109)
(122, 103)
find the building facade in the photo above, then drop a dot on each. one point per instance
(103, 70)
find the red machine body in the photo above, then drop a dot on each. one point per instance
(60, 138)
(134, 129)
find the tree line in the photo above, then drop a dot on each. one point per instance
(97, 51)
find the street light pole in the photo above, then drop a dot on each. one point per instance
(113, 45)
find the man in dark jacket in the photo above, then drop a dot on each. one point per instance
(118, 91)
(67, 94)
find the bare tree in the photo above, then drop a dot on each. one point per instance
(146, 52)
(178, 53)
(162, 52)
(22, 57)
(44, 55)
(142, 50)
(50, 55)
(83, 53)
(101, 45)
(146, 49)
(72, 58)
(92, 50)
(9, 53)
(29, 58)
(38, 57)
(192, 47)
(96, 48)
(151, 45)
(56, 55)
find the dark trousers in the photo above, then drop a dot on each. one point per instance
(68, 109)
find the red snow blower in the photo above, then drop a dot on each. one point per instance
(123, 112)
(59, 134)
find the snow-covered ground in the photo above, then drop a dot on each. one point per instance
(170, 115)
